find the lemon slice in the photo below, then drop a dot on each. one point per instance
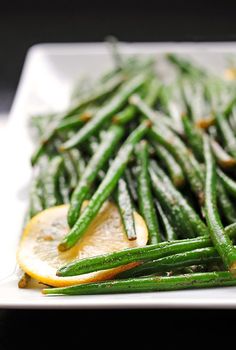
(39, 257)
(230, 73)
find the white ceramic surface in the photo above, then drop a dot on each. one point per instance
(49, 73)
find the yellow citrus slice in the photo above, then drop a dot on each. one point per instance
(39, 257)
(230, 73)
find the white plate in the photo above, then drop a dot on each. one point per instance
(49, 73)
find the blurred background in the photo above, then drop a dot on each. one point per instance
(30, 22)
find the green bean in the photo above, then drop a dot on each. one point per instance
(174, 144)
(185, 66)
(36, 204)
(116, 56)
(150, 284)
(219, 237)
(185, 158)
(145, 199)
(155, 251)
(125, 116)
(174, 169)
(132, 185)
(152, 93)
(229, 184)
(188, 108)
(169, 231)
(126, 209)
(79, 162)
(74, 121)
(232, 120)
(182, 215)
(105, 188)
(37, 154)
(70, 169)
(169, 203)
(100, 91)
(222, 157)
(225, 204)
(229, 108)
(64, 189)
(105, 113)
(194, 137)
(227, 134)
(98, 160)
(173, 262)
(231, 230)
(50, 181)
(130, 111)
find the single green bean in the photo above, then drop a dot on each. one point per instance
(132, 184)
(126, 209)
(64, 189)
(50, 182)
(150, 284)
(173, 168)
(194, 137)
(35, 203)
(229, 184)
(219, 237)
(169, 231)
(225, 205)
(227, 134)
(222, 157)
(145, 199)
(155, 251)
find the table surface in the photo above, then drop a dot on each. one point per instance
(21, 28)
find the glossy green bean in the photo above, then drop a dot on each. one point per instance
(126, 209)
(132, 184)
(155, 251)
(170, 234)
(222, 157)
(145, 198)
(227, 133)
(219, 237)
(50, 182)
(173, 168)
(150, 284)
(194, 137)
(225, 205)
(173, 262)
(229, 184)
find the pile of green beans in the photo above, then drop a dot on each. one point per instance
(119, 140)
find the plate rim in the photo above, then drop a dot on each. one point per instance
(100, 48)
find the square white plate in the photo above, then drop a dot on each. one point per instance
(48, 76)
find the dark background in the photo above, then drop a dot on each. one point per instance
(29, 22)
